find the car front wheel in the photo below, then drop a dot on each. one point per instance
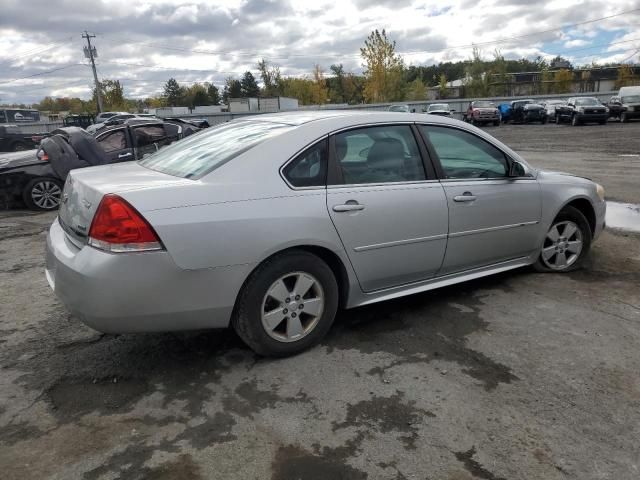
(623, 117)
(287, 305)
(574, 121)
(43, 194)
(566, 244)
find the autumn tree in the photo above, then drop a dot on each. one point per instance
(563, 81)
(249, 86)
(443, 91)
(320, 93)
(477, 77)
(271, 78)
(625, 76)
(384, 69)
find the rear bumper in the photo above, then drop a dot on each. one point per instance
(139, 292)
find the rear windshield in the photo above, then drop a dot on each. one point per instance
(483, 104)
(199, 154)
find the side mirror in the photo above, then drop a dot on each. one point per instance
(517, 169)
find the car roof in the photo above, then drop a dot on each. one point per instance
(356, 116)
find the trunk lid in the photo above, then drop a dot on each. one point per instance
(85, 188)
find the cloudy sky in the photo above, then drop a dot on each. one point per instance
(145, 42)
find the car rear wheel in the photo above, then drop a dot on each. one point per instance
(566, 244)
(496, 123)
(287, 305)
(43, 194)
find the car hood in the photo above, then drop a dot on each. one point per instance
(18, 159)
(552, 174)
(533, 106)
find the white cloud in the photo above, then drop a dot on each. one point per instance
(196, 40)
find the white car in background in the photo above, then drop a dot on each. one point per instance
(550, 107)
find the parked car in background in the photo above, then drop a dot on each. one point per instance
(104, 116)
(527, 111)
(442, 109)
(145, 246)
(625, 106)
(581, 110)
(550, 107)
(114, 120)
(37, 176)
(13, 140)
(82, 120)
(482, 112)
(400, 108)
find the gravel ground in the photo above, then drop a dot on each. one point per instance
(516, 376)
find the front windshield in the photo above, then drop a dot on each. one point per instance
(438, 106)
(199, 154)
(631, 99)
(587, 101)
(399, 108)
(483, 105)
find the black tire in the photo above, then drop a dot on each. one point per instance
(19, 147)
(247, 318)
(602, 122)
(574, 121)
(496, 123)
(558, 119)
(543, 121)
(624, 118)
(574, 215)
(44, 184)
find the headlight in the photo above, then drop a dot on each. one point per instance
(600, 191)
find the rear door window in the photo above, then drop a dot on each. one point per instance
(112, 141)
(309, 169)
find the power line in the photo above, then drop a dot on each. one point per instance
(42, 73)
(36, 51)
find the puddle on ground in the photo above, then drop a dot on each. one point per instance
(625, 216)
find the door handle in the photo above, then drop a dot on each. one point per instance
(350, 206)
(465, 197)
(124, 155)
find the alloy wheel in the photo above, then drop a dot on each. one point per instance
(292, 307)
(46, 194)
(562, 245)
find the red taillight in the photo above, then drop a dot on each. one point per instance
(118, 227)
(42, 155)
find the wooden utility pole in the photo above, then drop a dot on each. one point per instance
(90, 52)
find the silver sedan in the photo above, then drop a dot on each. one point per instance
(269, 224)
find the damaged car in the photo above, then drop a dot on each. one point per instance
(37, 176)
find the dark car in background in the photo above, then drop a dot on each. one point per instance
(551, 105)
(581, 110)
(482, 112)
(82, 120)
(527, 111)
(13, 140)
(37, 176)
(624, 108)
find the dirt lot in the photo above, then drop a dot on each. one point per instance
(517, 376)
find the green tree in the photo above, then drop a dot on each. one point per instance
(416, 90)
(232, 89)
(214, 93)
(477, 81)
(112, 95)
(249, 86)
(384, 69)
(172, 92)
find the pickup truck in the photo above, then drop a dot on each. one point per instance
(482, 112)
(580, 110)
(12, 140)
(624, 108)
